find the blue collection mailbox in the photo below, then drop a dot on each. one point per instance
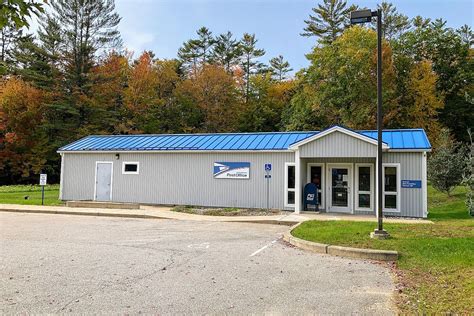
(311, 196)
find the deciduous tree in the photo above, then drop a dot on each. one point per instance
(453, 63)
(343, 80)
(422, 102)
(213, 91)
(17, 12)
(268, 99)
(22, 140)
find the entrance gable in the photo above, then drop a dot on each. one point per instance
(338, 142)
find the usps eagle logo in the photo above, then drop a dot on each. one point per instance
(231, 170)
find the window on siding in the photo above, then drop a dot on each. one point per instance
(364, 186)
(290, 184)
(130, 167)
(391, 188)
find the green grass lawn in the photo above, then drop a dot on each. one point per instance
(15, 194)
(436, 265)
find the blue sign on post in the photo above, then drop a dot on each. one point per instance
(411, 184)
(268, 170)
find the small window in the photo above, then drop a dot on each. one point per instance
(130, 168)
(391, 186)
(289, 184)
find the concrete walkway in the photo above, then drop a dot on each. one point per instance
(164, 212)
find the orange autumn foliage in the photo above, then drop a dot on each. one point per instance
(22, 109)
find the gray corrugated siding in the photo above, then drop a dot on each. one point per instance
(179, 178)
(338, 144)
(186, 178)
(411, 200)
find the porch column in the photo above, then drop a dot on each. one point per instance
(298, 194)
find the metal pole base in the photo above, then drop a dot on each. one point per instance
(379, 234)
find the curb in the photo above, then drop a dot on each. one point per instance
(142, 216)
(348, 252)
(80, 213)
(265, 221)
(95, 204)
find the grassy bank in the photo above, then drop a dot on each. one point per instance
(436, 265)
(29, 194)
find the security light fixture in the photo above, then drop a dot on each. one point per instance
(117, 156)
(361, 16)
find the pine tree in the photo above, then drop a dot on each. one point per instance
(196, 53)
(329, 20)
(394, 23)
(50, 39)
(227, 51)
(9, 35)
(467, 36)
(280, 67)
(250, 53)
(205, 44)
(87, 26)
(31, 63)
(188, 55)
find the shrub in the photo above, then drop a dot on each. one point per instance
(468, 177)
(446, 165)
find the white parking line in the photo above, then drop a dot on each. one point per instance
(264, 247)
(204, 245)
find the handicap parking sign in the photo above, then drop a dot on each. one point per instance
(268, 167)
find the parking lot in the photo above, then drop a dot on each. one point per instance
(82, 264)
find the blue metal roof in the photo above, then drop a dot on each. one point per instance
(396, 139)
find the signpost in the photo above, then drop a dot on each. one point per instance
(43, 181)
(268, 176)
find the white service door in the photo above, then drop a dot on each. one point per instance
(103, 181)
(339, 183)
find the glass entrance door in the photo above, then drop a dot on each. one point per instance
(340, 187)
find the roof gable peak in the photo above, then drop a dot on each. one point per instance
(341, 129)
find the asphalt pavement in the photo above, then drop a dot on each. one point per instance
(85, 264)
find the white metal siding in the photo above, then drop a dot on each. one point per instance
(338, 144)
(187, 178)
(179, 178)
(411, 200)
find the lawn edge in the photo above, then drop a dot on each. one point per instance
(340, 251)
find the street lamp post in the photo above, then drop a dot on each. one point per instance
(359, 17)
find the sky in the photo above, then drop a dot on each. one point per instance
(163, 25)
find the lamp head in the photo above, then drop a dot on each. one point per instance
(361, 16)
